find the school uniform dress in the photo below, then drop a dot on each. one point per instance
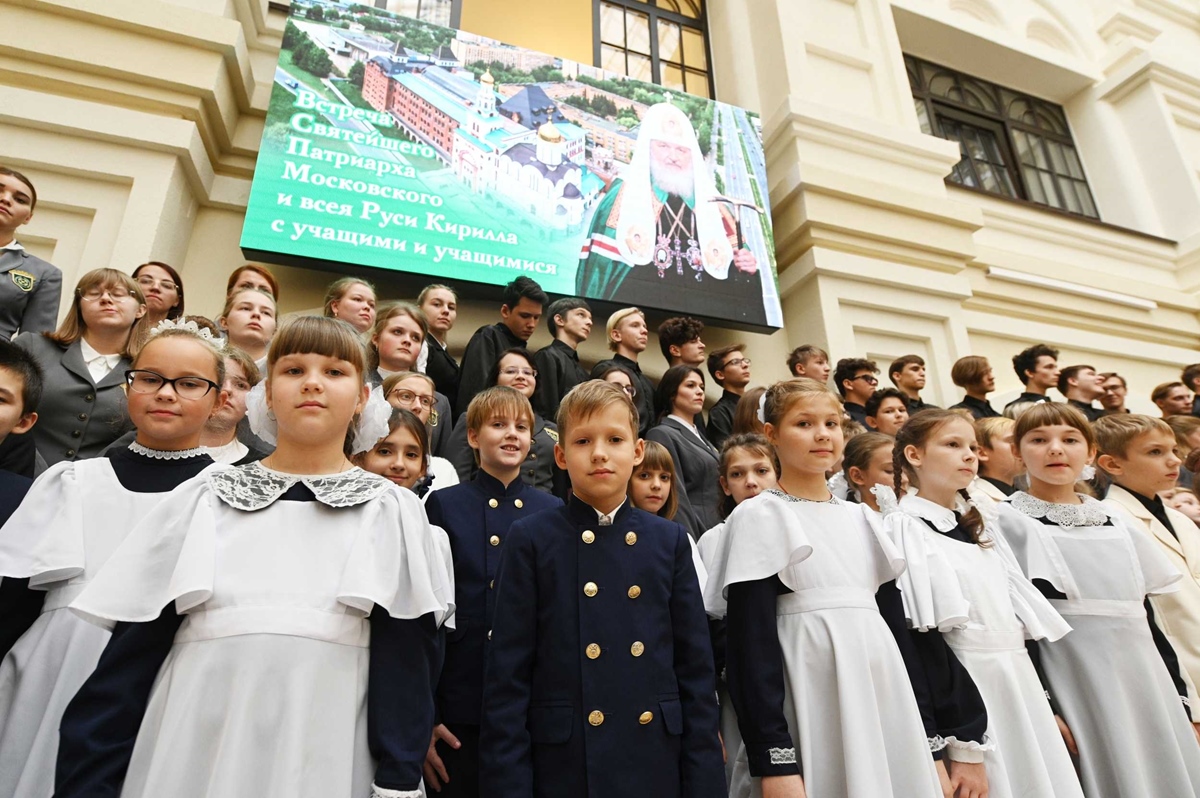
(720, 418)
(697, 469)
(481, 354)
(1177, 614)
(600, 676)
(1107, 676)
(644, 401)
(1029, 758)
(477, 516)
(276, 635)
(814, 671)
(30, 291)
(558, 372)
(74, 517)
(538, 470)
(978, 408)
(80, 414)
(436, 361)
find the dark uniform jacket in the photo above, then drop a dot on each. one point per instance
(978, 408)
(1089, 410)
(558, 372)
(1027, 397)
(77, 417)
(538, 469)
(600, 677)
(443, 370)
(476, 516)
(30, 289)
(697, 470)
(645, 390)
(857, 412)
(720, 419)
(482, 351)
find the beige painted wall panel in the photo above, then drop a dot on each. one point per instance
(558, 27)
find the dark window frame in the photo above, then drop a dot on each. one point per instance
(651, 9)
(939, 105)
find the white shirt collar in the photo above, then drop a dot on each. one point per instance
(13, 245)
(606, 519)
(941, 517)
(90, 355)
(689, 424)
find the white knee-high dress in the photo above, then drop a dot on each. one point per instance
(73, 518)
(1111, 683)
(1029, 758)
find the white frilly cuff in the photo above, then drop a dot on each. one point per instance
(957, 750)
(380, 792)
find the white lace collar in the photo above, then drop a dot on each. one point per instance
(942, 518)
(1089, 513)
(787, 497)
(254, 486)
(159, 454)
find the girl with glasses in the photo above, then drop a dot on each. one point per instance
(620, 377)
(84, 360)
(414, 392)
(74, 517)
(163, 288)
(514, 369)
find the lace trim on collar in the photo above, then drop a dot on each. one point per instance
(158, 454)
(1090, 513)
(787, 497)
(254, 486)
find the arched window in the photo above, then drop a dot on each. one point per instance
(658, 41)
(1012, 144)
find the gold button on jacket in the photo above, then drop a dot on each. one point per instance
(590, 589)
(645, 718)
(589, 536)
(637, 648)
(519, 504)
(634, 592)
(493, 503)
(494, 540)
(593, 651)
(630, 538)
(596, 717)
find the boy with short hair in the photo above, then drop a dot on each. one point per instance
(730, 368)
(999, 465)
(1139, 455)
(1037, 368)
(20, 391)
(519, 315)
(628, 337)
(1082, 385)
(856, 381)
(907, 373)
(600, 677)
(679, 339)
(886, 411)
(477, 516)
(809, 361)
(570, 322)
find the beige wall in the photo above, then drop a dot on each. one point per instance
(139, 121)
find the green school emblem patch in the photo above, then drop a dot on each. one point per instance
(22, 280)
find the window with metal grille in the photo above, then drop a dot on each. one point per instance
(658, 41)
(1012, 144)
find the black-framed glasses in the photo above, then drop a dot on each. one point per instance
(869, 379)
(146, 381)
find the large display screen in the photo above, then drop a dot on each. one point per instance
(397, 144)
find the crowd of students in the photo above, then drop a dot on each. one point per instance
(318, 556)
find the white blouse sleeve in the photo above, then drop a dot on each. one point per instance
(933, 596)
(762, 538)
(168, 557)
(396, 563)
(443, 545)
(43, 539)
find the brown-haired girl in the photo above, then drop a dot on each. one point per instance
(1115, 677)
(83, 407)
(651, 486)
(812, 663)
(867, 463)
(352, 300)
(248, 321)
(73, 518)
(962, 591)
(163, 288)
(277, 625)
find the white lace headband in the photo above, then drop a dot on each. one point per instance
(371, 426)
(187, 325)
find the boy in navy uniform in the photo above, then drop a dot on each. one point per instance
(476, 516)
(600, 676)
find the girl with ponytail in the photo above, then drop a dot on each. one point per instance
(954, 555)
